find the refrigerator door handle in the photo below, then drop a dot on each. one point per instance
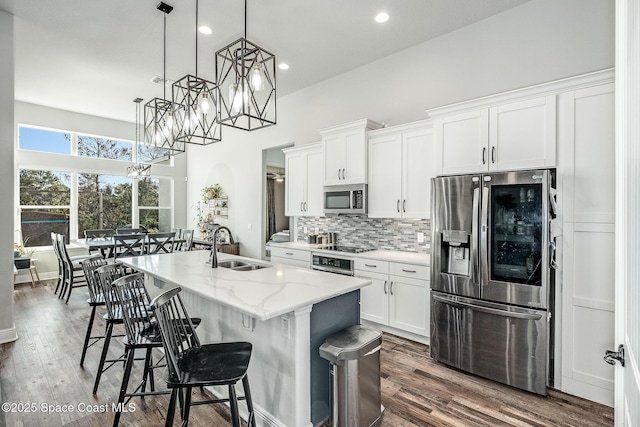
(474, 236)
(484, 224)
(488, 310)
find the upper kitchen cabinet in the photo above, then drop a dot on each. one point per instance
(401, 166)
(506, 136)
(303, 187)
(345, 152)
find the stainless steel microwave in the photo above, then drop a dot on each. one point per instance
(345, 199)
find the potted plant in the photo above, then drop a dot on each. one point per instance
(211, 192)
(20, 250)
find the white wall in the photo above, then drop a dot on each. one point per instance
(540, 41)
(7, 328)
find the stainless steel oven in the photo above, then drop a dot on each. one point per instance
(345, 199)
(332, 264)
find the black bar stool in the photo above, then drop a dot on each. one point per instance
(191, 364)
(96, 299)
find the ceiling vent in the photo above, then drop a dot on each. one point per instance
(159, 80)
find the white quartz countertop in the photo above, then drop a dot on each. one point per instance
(383, 255)
(264, 294)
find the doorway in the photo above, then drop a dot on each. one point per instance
(276, 224)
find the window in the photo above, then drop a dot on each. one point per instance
(104, 201)
(151, 154)
(45, 199)
(104, 148)
(154, 201)
(47, 141)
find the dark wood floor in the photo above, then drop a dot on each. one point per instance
(42, 368)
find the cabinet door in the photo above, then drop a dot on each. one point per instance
(462, 142)
(417, 171)
(295, 184)
(385, 173)
(355, 168)
(409, 304)
(522, 135)
(314, 191)
(374, 299)
(335, 153)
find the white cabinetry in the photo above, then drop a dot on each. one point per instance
(400, 169)
(513, 135)
(345, 152)
(398, 296)
(294, 257)
(303, 187)
(586, 185)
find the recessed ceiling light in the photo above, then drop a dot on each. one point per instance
(283, 66)
(204, 29)
(382, 17)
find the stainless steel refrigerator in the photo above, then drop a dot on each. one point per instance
(491, 276)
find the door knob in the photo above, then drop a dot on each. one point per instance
(611, 356)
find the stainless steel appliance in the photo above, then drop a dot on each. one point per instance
(491, 281)
(345, 199)
(335, 263)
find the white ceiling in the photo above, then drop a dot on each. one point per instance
(95, 57)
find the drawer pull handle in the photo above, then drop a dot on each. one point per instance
(370, 265)
(409, 271)
(288, 253)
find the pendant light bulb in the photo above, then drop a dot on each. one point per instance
(238, 97)
(257, 83)
(204, 104)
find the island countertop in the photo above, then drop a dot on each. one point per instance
(264, 294)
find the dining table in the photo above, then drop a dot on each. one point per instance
(103, 244)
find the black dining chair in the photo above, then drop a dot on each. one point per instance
(103, 235)
(127, 230)
(192, 364)
(187, 237)
(160, 243)
(96, 299)
(73, 276)
(56, 251)
(125, 245)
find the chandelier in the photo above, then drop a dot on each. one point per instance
(195, 107)
(159, 120)
(138, 170)
(246, 76)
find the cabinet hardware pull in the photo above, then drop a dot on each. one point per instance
(339, 174)
(288, 253)
(343, 171)
(409, 271)
(484, 151)
(370, 265)
(404, 206)
(301, 206)
(305, 206)
(391, 287)
(493, 154)
(398, 206)
(385, 286)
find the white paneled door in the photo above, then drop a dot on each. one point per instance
(627, 316)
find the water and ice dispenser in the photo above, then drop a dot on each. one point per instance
(456, 253)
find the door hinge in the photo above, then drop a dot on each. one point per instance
(611, 356)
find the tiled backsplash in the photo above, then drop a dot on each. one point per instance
(379, 233)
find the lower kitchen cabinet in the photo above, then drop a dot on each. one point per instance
(293, 257)
(397, 297)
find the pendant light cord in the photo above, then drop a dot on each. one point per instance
(164, 59)
(245, 19)
(196, 38)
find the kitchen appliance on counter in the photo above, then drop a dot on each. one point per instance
(345, 199)
(336, 263)
(491, 279)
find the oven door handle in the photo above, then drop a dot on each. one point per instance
(488, 310)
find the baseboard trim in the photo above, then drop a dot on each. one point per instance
(8, 335)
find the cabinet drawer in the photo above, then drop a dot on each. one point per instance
(288, 253)
(374, 266)
(290, 261)
(410, 270)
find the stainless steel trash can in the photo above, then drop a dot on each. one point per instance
(354, 354)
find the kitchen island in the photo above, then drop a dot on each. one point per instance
(285, 312)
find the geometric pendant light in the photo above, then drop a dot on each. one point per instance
(195, 107)
(138, 170)
(246, 76)
(158, 113)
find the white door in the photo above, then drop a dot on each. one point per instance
(417, 171)
(295, 183)
(355, 168)
(462, 142)
(335, 153)
(374, 299)
(627, 379)
(314, 193)
(385, 172)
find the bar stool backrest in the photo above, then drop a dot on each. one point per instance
(106, 275)
(134, 303)
(175, 326)
(187, 236)
(158, 243)
(89, 266)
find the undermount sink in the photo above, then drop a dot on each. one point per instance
(241, 265)
(232, 264)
